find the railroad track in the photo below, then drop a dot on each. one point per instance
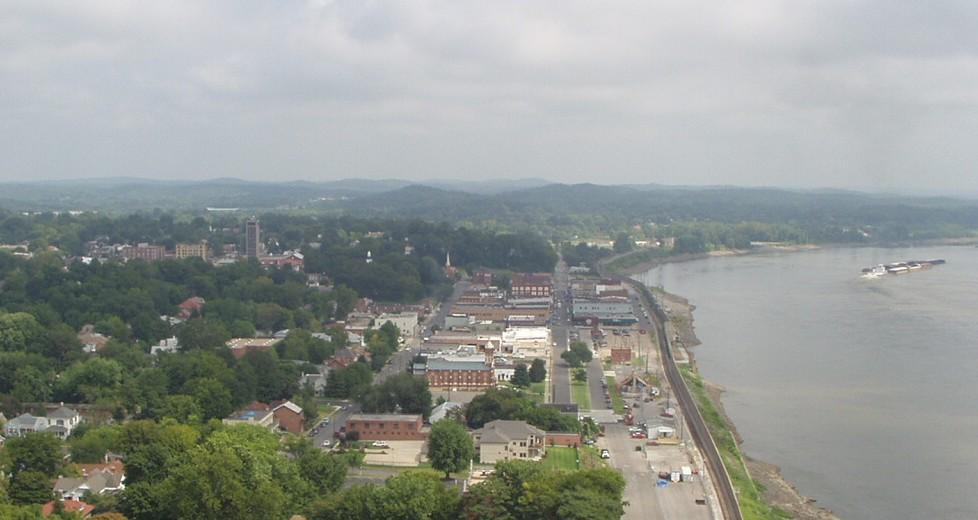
(697, 426)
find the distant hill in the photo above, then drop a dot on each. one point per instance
(532, 204)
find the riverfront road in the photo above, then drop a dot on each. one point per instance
(677, 501)
(697, 426)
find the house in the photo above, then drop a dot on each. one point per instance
(190, 306)
(90, 340)
(168, 346)
(443, 410)
(292, 259)
(241, 346)
(97, 479)
(342, 359)
(255, 414)
(84, 510)
(289, 417)
(61, 422)
(504, 440)
(24, 424)
(386, 427)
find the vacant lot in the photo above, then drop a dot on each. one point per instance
(561, 458)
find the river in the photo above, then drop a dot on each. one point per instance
(864, 392)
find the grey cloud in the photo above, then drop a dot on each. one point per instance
(872, 95)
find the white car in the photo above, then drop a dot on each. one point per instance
(326, 443)
(379, 444)
(605, 454)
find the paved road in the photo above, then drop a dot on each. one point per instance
(595, 375)
(645, 500)
(698, 430)
(335, 422)
(560, 370)
(438, 318)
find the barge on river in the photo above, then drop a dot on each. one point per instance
(900, 267)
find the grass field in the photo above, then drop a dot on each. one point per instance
(581, 395)
(752, 505)
(561, 458)
(536, 391)
(616, 401)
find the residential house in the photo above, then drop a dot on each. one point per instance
(190, 306)
(504, 440)
(342, 359)
(289, 417)
(82, 509)
(292, 259)
(444, 410)
(61, 422)
(168, 346)
(97, 479)
(241, 346)
(90, 340)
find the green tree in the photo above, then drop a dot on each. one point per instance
(623, 243)
(30, 487)
(521, 376)
(203, 334)
(403, 392)
(18, 331)
(92, 445)
(580, 375)
(538, 371)
(185, 408)
(326, 473)
(213, 398)
(450, 447)
(31, 385)
(40, 452)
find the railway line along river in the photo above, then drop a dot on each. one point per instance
(864, 392)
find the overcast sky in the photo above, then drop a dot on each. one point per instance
(872, 95)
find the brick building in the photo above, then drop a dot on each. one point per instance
(289, 417)
(459, 375)
(531, 285)
(144, 251)
(386, 427)
(199, 250)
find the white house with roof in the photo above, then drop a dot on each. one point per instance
(60, 422)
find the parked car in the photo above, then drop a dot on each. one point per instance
(605, 454)
(639, 435)
(589, 442)
(379, 444)
(326, 443)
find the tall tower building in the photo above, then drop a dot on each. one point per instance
(252, 238)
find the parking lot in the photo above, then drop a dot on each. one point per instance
(399, 453)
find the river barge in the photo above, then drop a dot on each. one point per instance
(900, 267)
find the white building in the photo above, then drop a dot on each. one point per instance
(527, 342)
(406, 322)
